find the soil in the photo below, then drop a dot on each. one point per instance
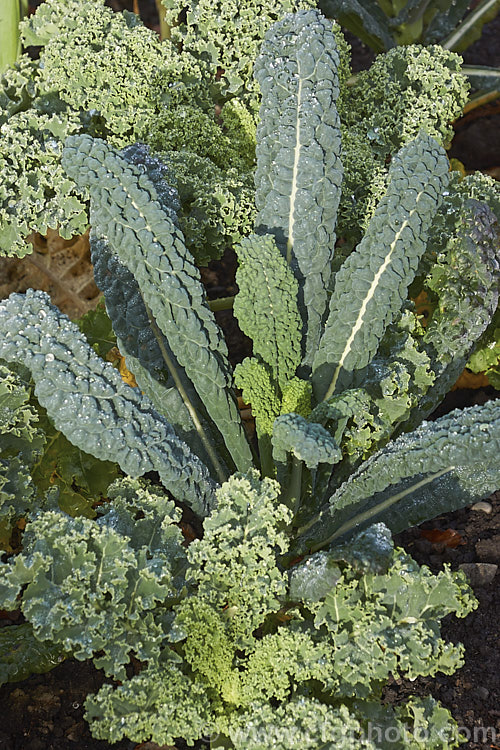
(45, 712)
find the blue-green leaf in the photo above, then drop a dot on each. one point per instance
(307, 441)
(22, 654)
(373, 282)
(439, 467)
(91, 405)
(126, 209)
(299, 171)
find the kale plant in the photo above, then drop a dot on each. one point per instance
(279, 625)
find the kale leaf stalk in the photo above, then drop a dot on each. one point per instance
(207, 444)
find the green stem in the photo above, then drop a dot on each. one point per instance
(376, 509)
(293, 492)
(222, 303)
(479, 100)
(187, 401)
(485, 8)
(267, 468)
(220, 741)
(11, 12)
(164, 26)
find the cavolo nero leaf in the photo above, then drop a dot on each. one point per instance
(147, 353)
(464, 282)
(299, 171)
(259, 390)
(127, 211)
(88, 401)
(372, 284)
(307, 441)
(440, 466)
(363, 18)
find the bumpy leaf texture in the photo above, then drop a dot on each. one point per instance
(266, 305)
(307, 441)
(440, 466)
(88, 401)
(299, 171)
(127, 212)
(465, 281)
(373, 282)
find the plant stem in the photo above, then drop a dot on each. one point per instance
(207, 444)
(479, 100)
(220, 741)
(222, 303)
(164, 27)
(293, 491)
(376, 509)
(11, 12)
(266, 457)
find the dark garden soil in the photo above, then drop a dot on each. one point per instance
(45, 712)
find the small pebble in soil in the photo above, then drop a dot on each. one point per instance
(482, 506)
(479, 574)
(482, 693)
(488, 550)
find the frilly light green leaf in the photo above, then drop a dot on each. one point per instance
(92, 586)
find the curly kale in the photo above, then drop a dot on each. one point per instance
(21, 444)
(217, 206)
(486, 358)
(35, 192)
(407, 90)
(123, 69)
(105, 74)
(244, 671)
(223, 634)
(38, 465)
(225, 37)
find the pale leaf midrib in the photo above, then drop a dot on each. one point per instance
(371, 291)
(293, 190)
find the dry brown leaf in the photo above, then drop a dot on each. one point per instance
(57, 266)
